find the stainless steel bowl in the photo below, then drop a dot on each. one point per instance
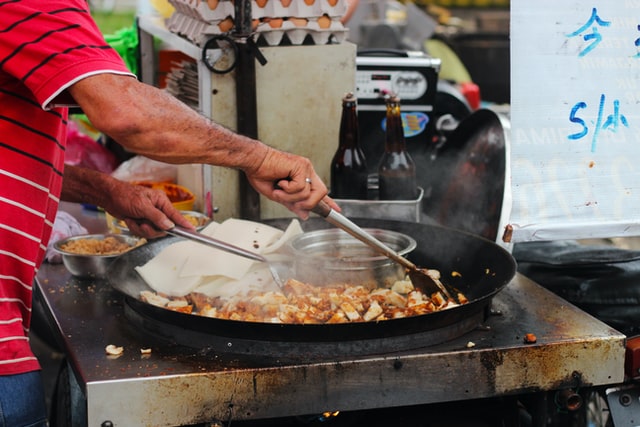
(332, 256)
(198, 219)
(88, 266)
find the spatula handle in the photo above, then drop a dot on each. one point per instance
(323, 209)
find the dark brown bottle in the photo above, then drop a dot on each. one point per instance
(396, 171)
(349, 167)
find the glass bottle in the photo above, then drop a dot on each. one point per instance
(396, 171)
(349, 167)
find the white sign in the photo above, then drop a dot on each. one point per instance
(575, 116)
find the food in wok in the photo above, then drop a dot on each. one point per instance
(302, 303)
(183, 277)
(474, 266)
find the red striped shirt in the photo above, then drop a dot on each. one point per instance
(45, 46)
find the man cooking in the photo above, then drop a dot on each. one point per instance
(52, 56)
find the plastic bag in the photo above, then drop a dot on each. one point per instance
(125, 42)
(84, 151)
(65, 225)
(143, 169)
(602, 280)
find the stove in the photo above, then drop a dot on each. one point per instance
(198, 379)
(281, 351)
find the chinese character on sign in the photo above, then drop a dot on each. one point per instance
(611, 122)
(595, 36)
(637, 43)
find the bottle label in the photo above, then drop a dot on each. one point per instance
(413, 123)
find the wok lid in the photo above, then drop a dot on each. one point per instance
(468, 180)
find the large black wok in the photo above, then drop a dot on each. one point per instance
(485, 268)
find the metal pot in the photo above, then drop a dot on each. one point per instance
(326, 257)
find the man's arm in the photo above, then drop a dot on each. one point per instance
(148, 121)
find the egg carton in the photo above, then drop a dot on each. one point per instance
(296, 34)
(189, 27)
(212, 11)
(208, 11)
(297, 8)
(273, 32)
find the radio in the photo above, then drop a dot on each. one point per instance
(413, 76)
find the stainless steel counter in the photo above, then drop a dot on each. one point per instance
(179, 385)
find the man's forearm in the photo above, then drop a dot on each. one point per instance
(82, 185)
(150, 122)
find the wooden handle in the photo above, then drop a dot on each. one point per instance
(323, 209)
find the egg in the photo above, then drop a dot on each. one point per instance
(275, 22)
(226, 24)
(299, 22)
(324, 22)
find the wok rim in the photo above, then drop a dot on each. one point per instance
(322, 332)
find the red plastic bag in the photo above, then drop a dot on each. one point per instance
(84, 151)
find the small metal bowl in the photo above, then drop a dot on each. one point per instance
(92, 266)
(330, 257)
(198, 219)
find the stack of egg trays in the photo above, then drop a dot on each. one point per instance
(273, 20)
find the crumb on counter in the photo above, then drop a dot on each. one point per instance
(113, 350)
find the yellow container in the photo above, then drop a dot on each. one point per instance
(181, 197)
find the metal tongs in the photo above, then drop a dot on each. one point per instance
(218, 244)
(276, 268)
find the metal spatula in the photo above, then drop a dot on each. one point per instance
(419, 276)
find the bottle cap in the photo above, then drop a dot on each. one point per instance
(393, 98)
(349, 97)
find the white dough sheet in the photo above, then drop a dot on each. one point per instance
(187, 266)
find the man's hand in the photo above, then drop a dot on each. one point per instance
(291, 180)
(146, 212)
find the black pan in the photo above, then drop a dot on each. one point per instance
(485, 268)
